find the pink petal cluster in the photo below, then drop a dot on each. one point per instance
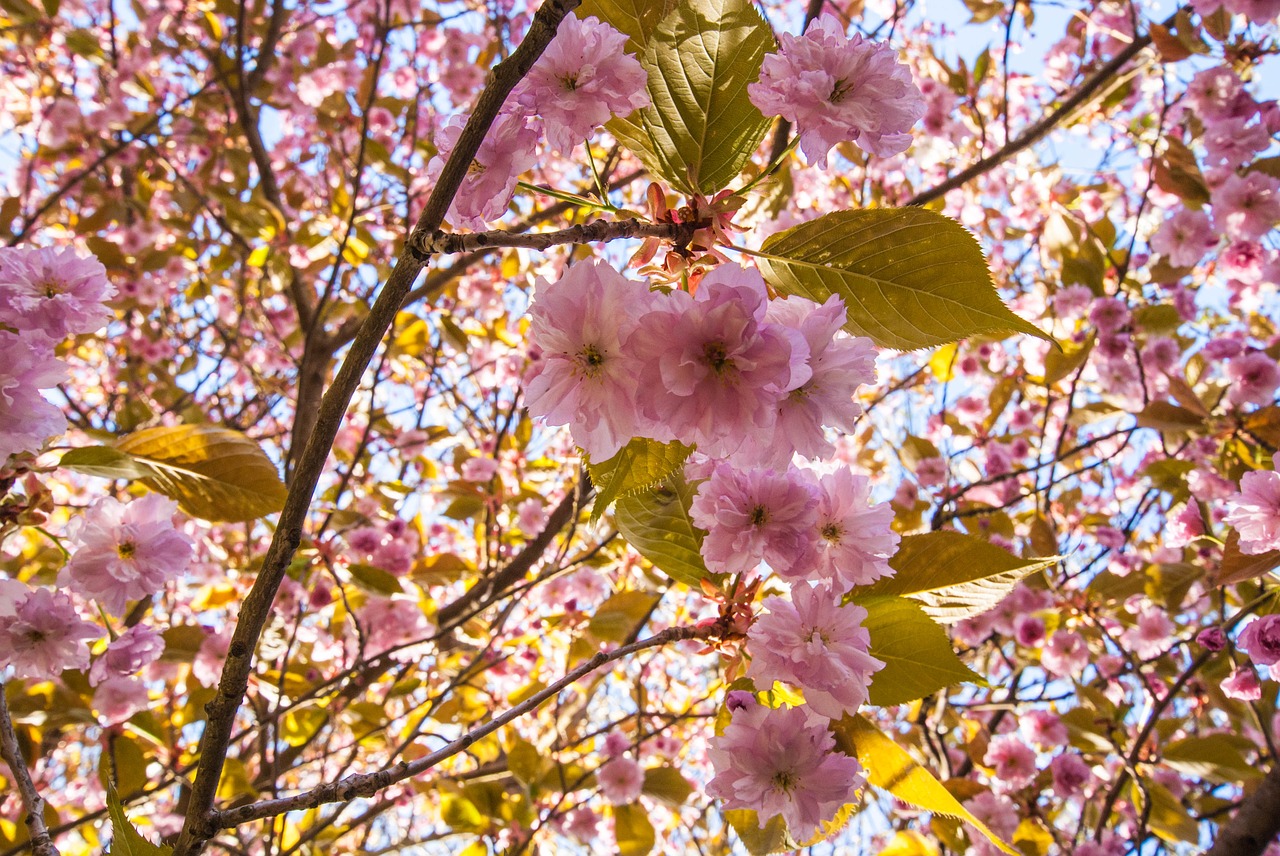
(1254, 378)
(53, 290)
(781, 762)
(133, 649)
(721, 369)
(125, 551)
(583, 78)
(1255, 512)
(43, 636)
(1261, 641)
(836, 88)
(814, 643)
(621, 779)
(508, 150)
(27, 365)
(855, 535)
(756, 515)
(1185, 237)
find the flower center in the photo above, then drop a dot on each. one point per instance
(126, 550)
(833, 532)
(717, 356)
(759, 516)
(591, 358)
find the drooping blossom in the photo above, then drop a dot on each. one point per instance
(581, 374)
(138, 646)
(1254, 378)
(582, 79)
(837, 88)
(1242, 685)
(27, 365)
(621, 779)
(1255, 511)
(1261, 641)
(838, 365)
(53, 290)
(125, 551)
(45, 636)
(854, 536)
(817, 645)
(1185, 237)
(1212, 639)
(782, 762)
(712, 371)
(756, 515)
(508, 150)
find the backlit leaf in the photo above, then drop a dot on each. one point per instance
(125, 838)
(917, 654)
(911, 278)
(633, 830)
(640, 464)
(656, 523)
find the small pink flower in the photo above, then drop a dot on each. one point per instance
(621, 779)
(391, 622)
(814, 643)
(582, 79)
(1255, 512)
(45, 636)
(1212, 639)
(855, 537)
(117, 698)
(1014, 761)
(1043, 728)
(753, 516)
(124, 552)
(138, 646)
(1065, 654)
(1150, 635)
(479, 469)
(1185, 237)
(508, 150)
(782, 763)
(1254, 378)
(1261, 640)
(27, 365)
(837, 88)
(1070, 775)
(53, 290)
(531, 516)
(1243, 685)
(1247, 207)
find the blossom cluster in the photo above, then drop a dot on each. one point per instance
(582, 79)
(753, 385)
(120, 552)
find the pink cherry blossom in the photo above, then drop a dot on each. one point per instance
(756, 515)
(582, 375)
(508, 150)
(391, 622)
(817, 645)
(854, 536)
(837, 88)
(1150, 635)
(1247, 207)
(582, 79)
(621, 780)
(45, 636)
(1243, 685)
(1043, 728)
(1216, 93)
(53, 290)
(1185, 237)
(782, 763)
(1014, 761)
(1255, 511)
(1065, 654)
(712, 371)
(1070, 775)
(125, 551)
(118, 698)
(138, 646)
(1254, 378)
(27, 365)
(1261, 640)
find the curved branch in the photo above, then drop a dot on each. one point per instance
(1255, 824)
(41, 842)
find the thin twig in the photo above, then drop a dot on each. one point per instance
(443, 243)
(41, 843)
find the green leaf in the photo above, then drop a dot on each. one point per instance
(214, 473)
(1217, 757)
(125, 838)
(640, 464)
(637, 19)
(701, 128)
(375, 580)
(666, 784)
(103, 462)
(632, 830)
(917, 654)
(619, 616)
(760, 840)
(890, 768)
(951, 575)
(911, 278)
(656, 523)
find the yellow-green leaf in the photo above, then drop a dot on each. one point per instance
(637, 19)
(701, 127)
(890, 768)
(213, 473)
(1217, 757)
(103, 462)
(656, 523)
(125, 838)
(666, 784)
(951, 575)
(917, 654)
(619, 616)
(911, 278)
(632, 830)
(640, 464)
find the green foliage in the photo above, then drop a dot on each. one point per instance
(911, 278)
(125, 838)
(917, 654)
(640, 464)
(701, 128)
(656, 523)
(633, 830)
(952, 576)
(666, 784)
(890, 768)
(620, 616)
(213, 473)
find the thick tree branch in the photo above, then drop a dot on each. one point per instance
(256, 609)
(1040, 129)
(584, 233)
(1255, 824)
(369, 784)
(41, 843)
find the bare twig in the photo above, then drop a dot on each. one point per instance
(41, 843)
(585, 233)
